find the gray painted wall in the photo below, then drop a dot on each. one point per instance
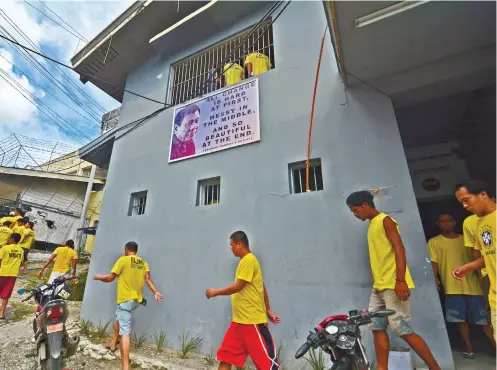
(312, 250)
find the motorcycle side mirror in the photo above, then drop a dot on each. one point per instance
(21, 291)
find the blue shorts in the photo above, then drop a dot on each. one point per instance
(123, 315)
(466, 308)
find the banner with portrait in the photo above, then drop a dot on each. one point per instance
(220, 120)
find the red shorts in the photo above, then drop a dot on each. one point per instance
(7, 286)
(254, 340)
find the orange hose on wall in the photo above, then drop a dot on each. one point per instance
(312, 114)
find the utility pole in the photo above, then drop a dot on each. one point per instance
(79, 235)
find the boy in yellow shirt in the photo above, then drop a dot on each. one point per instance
(257, 63)
(5, 233)
(131, 272)
(11, 257)
(66, 260)
(476, 198)
(248, 334)
(27, 240)
(19, 228)
(392, 281)
(464, 301)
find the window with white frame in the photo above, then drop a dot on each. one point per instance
(297, 176)
(137, 203)
(209, 191)
(205, 71)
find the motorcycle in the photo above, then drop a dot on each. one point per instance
(340, 337)
(49, 325)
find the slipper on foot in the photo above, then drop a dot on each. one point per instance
(468, 356)
(110, 349)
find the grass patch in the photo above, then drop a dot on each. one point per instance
(85, 326)
(78, 288)
(21, 310)
(160, 339)
(138, 342)
(101, 331)
(188, 344)
(316, 360)
(210, 359)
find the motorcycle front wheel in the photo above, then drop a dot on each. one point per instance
(52, 364)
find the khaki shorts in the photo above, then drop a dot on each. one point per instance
(400, 322)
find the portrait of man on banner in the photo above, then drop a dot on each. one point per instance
(186, 124)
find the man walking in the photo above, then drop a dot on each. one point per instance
(476, 198)
(464, 301)
(5, 233)
(66, 260)
(131, 272)
(248, 334)
(392, 281)
(27, 241)
(11, 257)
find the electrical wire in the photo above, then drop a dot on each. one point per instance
(78, 71)
(39, 86)
(90, 100)
(40, 68)
(51, 11)
(53, 20)
(307, 162)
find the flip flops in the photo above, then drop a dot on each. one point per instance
(468, 356)
(115, 349)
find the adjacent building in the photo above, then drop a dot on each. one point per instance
(197, 155)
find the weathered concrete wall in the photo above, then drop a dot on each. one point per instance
(312, 250)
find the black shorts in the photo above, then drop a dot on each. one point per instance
(26, 252)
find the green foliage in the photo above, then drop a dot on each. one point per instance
(102, 329)
(85, 326)
(316, 360)
(139, 341)
(210, 359)
(188, 344)
(160, 339)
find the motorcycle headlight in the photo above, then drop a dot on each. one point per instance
(332, 329)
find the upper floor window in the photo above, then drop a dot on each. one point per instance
(297, 172)
(137, 203)
(223, 64)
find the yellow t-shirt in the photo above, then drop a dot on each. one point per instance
(232, 74)
(486, 244)
(63, 260)
(469, 231)
(5, 233)
(12, 256)
(131, 278)
(27, 238)
(248, 304)
(19, 230)
(382, 256)
(449, 254)
(260, 63)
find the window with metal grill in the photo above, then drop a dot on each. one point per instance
(209, 191)
(205, 71)
(137, 203)
(298, 179)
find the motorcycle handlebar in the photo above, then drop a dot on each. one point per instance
(383, 313)
(28, 297)
(303, 350)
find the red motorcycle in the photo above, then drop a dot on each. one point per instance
(340, 337)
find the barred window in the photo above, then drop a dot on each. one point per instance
(137, 203)
(209, 192)
(204, 72)
(297, 175)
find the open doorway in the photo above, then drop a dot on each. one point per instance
(449, 140)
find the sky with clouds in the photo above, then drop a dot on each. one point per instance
(65, 110)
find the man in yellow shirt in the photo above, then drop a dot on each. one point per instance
(131, 272)
(257, 63)
(66, 260)
(476, 198)
(5, 233)
(11, 257)
(392, 281)
(27, 241)
(464, 301)
(248, 334)
(232, 73)
(19, 227)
